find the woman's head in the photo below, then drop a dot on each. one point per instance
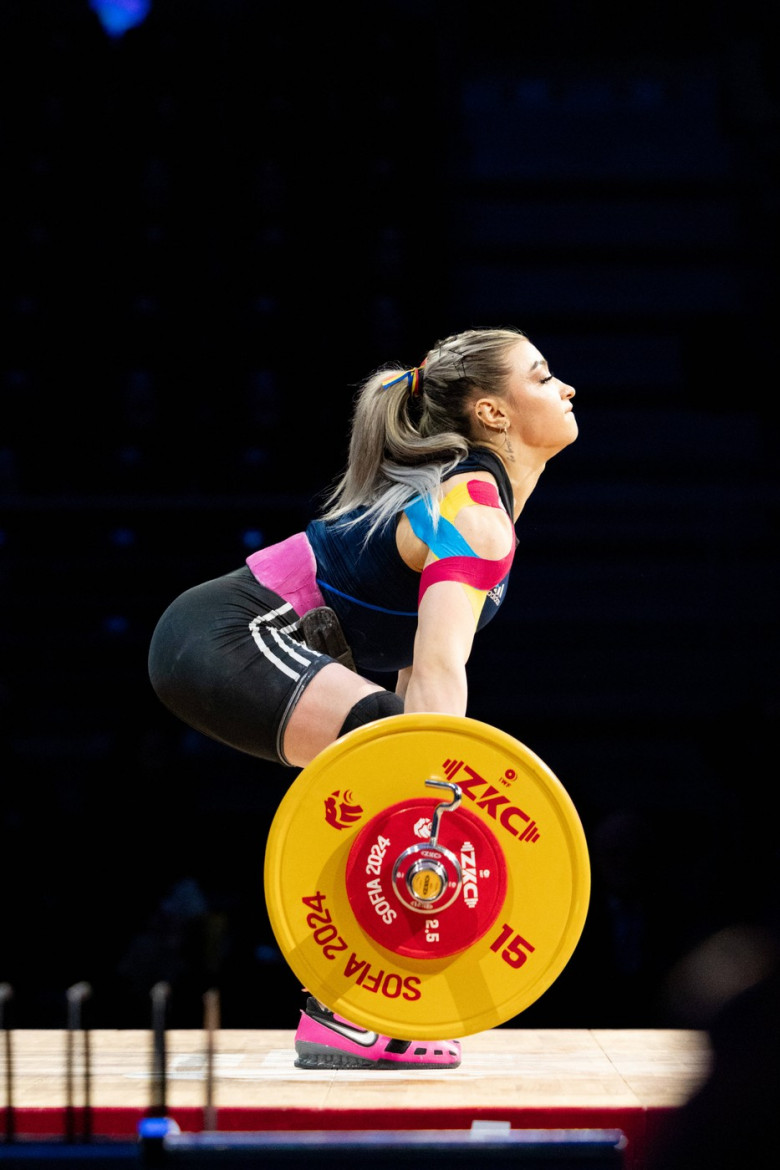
(408, 426)
(427, 414)
(459, 370)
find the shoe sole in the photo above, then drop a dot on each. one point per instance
(314, 1058)
(345, 1062)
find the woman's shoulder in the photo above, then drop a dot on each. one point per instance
(472, 504)
(460, 477)
(483, 464)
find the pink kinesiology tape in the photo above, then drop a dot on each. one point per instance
(472, 571)
(289, 568)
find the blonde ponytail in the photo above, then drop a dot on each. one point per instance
(403, 443)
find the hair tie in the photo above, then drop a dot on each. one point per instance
(413, 379)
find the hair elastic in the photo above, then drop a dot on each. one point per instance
(413, 379)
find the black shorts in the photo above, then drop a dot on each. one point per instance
(228, 658)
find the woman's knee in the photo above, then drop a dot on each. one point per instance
(326, 706)
(377, 705)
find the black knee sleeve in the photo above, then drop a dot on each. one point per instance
(377, 705)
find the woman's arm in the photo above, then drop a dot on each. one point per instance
(402, 682)
(445, 632)
(448, 614)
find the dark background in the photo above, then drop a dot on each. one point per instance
(214, 227)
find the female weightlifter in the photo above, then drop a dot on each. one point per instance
(409, 558)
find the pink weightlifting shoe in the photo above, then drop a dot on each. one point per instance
(325, 1040)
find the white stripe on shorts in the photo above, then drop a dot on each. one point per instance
(265, 649)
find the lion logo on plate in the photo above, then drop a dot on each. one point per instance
(340, 811)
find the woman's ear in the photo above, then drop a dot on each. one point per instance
(490, 413)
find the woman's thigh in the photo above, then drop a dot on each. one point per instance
(321, 710)
(227, 659)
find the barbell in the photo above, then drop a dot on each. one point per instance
(427, 875)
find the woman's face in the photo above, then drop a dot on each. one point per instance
(539, 404)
